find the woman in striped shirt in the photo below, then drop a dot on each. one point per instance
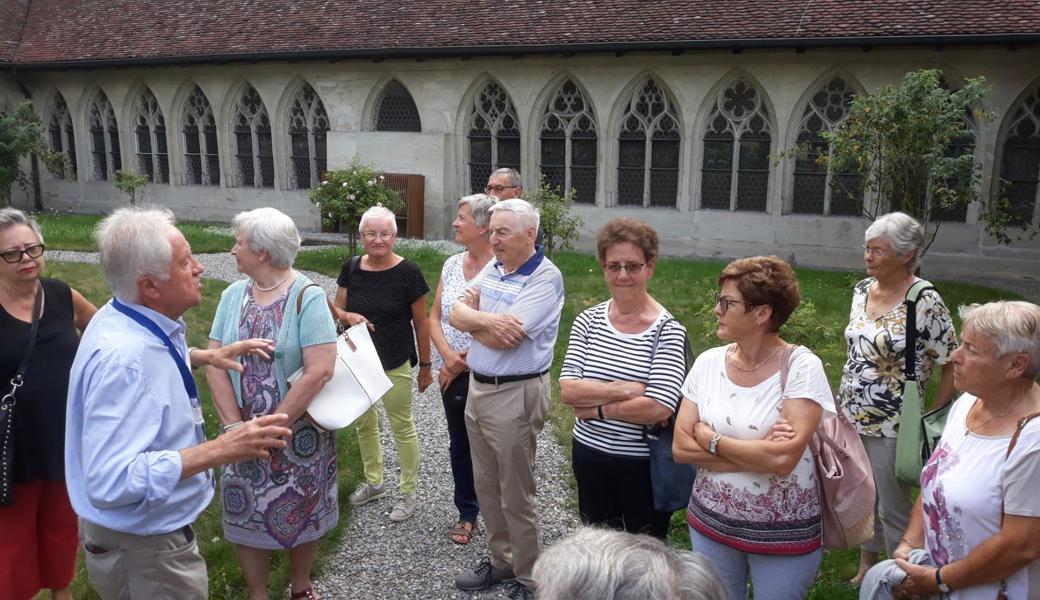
(617, 383)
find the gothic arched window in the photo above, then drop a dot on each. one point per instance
(201, 159)
(1020, 159)
(817, 188)
(735, 173)
(494, 135)
(150, 133)
(254, 154)
(396, 110)
(63, 138)
(648, 149)
(568, 137)
(104, 138)
(308, 130)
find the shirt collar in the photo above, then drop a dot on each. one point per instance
(529, 266)
(168, 325)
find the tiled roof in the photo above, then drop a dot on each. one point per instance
(12, 17)
(58, 31)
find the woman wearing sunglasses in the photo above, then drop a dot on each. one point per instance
(754, 510)
(618, 384)
(38, 545)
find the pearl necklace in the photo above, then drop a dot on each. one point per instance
(733, 361)
(273, 287)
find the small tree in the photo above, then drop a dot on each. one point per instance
(902, 143)
(559, 228)
(21, 135)
(345, 194)
(128, 180)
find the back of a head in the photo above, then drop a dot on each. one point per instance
(133, 242)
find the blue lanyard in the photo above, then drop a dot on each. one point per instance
(143, 321)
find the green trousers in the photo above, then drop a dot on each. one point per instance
(398, 405)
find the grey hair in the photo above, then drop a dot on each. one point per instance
(379, 213)
(480, 205)
(133, 242)
(271, 230)
(528, 214)
(903, 233)
(512, 174)
(602, 564)
(1012, 325)
(9, 217)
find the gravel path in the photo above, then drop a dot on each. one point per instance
(414, 559)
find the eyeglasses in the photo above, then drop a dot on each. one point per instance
(499, 188)
(724, 303)
(630, 268)
(373, 235)
(878, 252)
(13, 256)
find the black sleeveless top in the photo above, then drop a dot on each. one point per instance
(39, 414)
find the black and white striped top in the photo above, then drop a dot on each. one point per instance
(599, 352)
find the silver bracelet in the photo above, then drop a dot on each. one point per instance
(231, 426)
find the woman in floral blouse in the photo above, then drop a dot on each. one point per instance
(871, 391)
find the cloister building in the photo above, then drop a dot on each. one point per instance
(671, 111)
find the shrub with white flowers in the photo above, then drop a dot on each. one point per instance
(345, 194)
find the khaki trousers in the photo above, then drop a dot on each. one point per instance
(503, 422)
(124, 566)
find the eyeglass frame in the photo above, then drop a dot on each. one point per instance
(875, 252)
(499, 188)
(382, 235)
(725, 303)
(17, 253)
(630, 268)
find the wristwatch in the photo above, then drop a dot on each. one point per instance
(713, 445)
(940, 583)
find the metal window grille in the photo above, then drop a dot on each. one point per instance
(494, 135)
(254, 159)
(151, 138)
(201, 160)
(1020, 160)
(568, 143)
(308, 127)
(648, 149)
(818, 189)
(735, 170)
(63, 139)
(396, 109)
(104, 138)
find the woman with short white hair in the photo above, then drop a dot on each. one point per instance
(388, 292)
(472, 230)
(974, 533)
(288, 501)
(871, 389)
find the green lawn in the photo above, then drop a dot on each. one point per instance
(75, 232)
(686, 288)
(225, 579)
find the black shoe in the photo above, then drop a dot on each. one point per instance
(482, 576)
(518, 591)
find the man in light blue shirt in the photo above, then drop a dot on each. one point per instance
(137, 461)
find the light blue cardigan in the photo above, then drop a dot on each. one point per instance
(312, 326)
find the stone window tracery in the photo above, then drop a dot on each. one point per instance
(493, 134)
(648, 149)
(818, 189)
(254, 153)
(568, 143)
(1020, 159)
(150, 135)
(104, 138)
(308, 132)
(201, 157)
(735, 172)
(396, 109)
(63, 137)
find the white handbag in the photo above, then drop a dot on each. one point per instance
(357, 383)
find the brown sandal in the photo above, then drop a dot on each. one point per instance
(307, 594)
(463, 532)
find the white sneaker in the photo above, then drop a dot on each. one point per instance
(366, 492)
(404, 508)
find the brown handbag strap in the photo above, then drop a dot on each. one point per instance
(299, 300)
(1018, 429)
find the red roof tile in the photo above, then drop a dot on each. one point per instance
(122, 30)
(12, 18)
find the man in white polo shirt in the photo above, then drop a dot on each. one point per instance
(513, 312)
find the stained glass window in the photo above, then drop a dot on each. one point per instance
(150, 134)
(735, 171)
(251, 126)
(1020, 159)
(308, 129)
(104, 138)
(201, 157)
(396, 110)
(648, 149)
(818, 189)
(62, 136)
(493, 134)
(568, 138)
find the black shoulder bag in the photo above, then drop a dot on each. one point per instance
(7, 408)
